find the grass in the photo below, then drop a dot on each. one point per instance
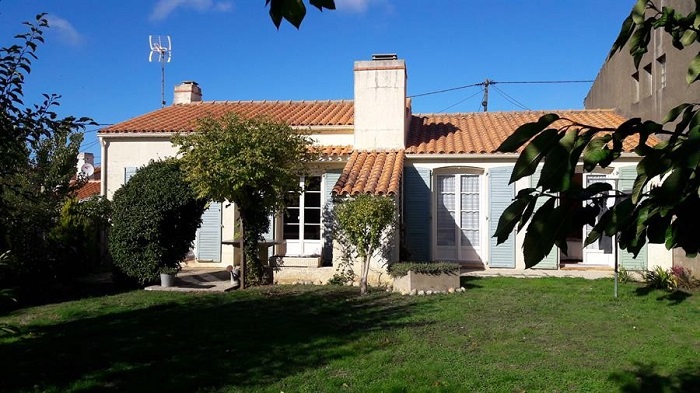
(501, 335)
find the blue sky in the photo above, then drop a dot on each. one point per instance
(96, 52)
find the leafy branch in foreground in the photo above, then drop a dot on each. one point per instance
(294, 11)
(664, 203)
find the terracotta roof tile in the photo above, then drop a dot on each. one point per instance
(89, 189)
(371, 172)
(333, 151)
(483, 132)
(183, 117)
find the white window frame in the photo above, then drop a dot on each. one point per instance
(302, 246)
(461, 254)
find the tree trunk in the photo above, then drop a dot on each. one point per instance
(243, 261)
(364, 272)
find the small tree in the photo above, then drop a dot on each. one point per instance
(154, 221)
(253, 163)
(364, 224)
(38, 155)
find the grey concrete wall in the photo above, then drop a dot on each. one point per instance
(615, 87)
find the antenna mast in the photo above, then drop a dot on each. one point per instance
(162, 46)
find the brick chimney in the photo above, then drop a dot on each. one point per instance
(381, 118)
(187, 92)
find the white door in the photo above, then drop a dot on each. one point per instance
(602, 251)
(302, 220)
(458, 222)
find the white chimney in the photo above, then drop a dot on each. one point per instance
(380, 103)
(187, 92)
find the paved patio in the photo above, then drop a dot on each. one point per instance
(199, 280)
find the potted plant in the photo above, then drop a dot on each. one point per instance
(167, 275)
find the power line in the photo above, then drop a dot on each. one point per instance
(457, 103)
(511, 99)
(446, 90)
(495, 82)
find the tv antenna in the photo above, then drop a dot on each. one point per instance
(161, 46)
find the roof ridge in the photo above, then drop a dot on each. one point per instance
(515, 112)
(343, 101)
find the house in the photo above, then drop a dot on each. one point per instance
(86, 169)
(450, 184)
(651, 91)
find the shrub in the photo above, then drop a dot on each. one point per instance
(154, 222)
(435, 268)
(660, 279)
(684, 278)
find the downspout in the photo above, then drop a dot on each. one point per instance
(103, 164)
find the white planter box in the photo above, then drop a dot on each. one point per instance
(426, 282)
(283, 262)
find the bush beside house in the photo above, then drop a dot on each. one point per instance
(154, 222)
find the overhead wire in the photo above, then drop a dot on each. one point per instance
(461, 101)
(511, 99)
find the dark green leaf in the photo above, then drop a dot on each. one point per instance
(533, 153)
(693, 70)
(525, 132)
(595, 152)
(624, 35)
(510, 217)
(638, 188)
(557, 171)
(539, 238)
(321, 4)
(674, 112)
(599, 228)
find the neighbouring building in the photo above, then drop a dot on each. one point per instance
(652, 90)
(450, 184)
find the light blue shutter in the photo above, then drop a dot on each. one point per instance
(331, 177)
(627, 260)
(501, 194)
(129, 172)
(416, 220)
(551, 261)
(209, 234)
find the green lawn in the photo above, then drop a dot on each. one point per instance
(501, 335)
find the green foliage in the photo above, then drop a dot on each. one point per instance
(77, 235)
(364, 225)
(667, 214)
(37, 161)
(659, 278)
(154, 221)
(684, 278)
(294, 11)
(624, 276)
(253, 163)
(434, 268)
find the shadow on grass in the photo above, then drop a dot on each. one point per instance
(673, 298)
(470, 282)
(646, 379)
(242, 341)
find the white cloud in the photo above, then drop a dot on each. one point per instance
(352, 5)
(64, 30)
(164, 8)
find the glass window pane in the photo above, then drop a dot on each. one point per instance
(291, 231)
(446, 183)
(312, 216)
(312, 232)
(470, 238)
(313, 183)
(291, 216)
(447, 201)
(312, 199)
